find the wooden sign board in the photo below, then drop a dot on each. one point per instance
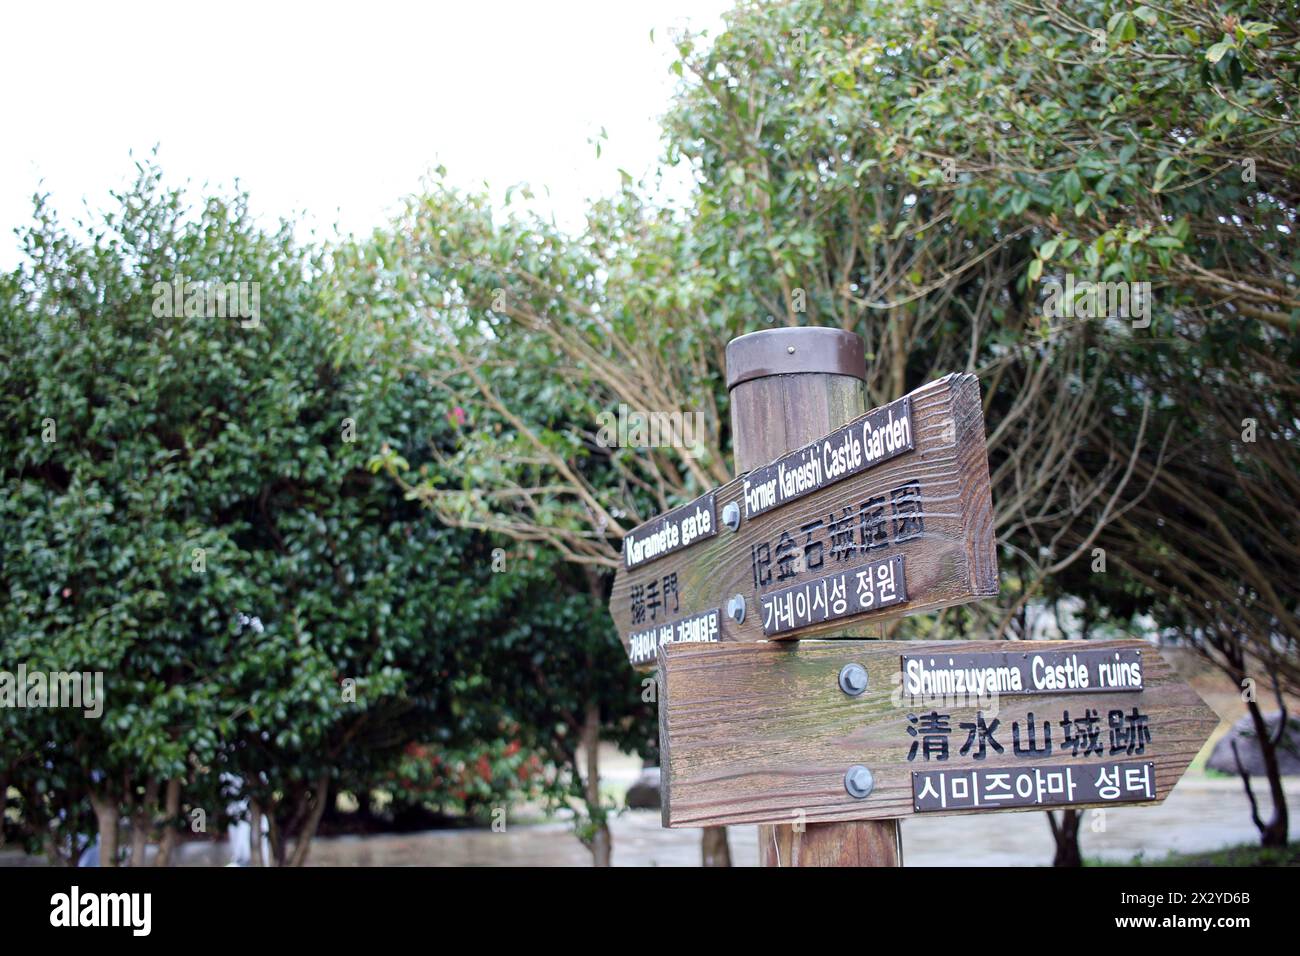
(763, 733)
(888, 515)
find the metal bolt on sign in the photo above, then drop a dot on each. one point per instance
(858, 781)
(731, 515)
(853, 679)
(736, 608)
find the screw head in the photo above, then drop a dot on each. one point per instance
(736, 608)
(790, 349)
(853, 679)
(859, 782)
(731, 515)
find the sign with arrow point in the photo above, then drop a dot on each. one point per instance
(821, 731)
(888, 515)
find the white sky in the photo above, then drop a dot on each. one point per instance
(333, 109)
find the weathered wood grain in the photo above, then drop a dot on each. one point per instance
(951, 561)
(756, 733)
(864, 843)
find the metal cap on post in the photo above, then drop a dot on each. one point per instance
(789, 351)
(789, 387)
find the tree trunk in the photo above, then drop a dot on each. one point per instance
(254, 833)
(170, 830)
(142, 822)
(55, 856)
(273, 838)
(105, 805)
(302, 846)
(601, 844)
(714, 848)
(1066, 835)
(1273, 833)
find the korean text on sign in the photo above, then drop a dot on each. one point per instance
(989, 789)
(869, 587)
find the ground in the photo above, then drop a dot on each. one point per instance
(1249, 855)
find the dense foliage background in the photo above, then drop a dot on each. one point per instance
(188, 509)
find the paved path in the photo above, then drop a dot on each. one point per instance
(1201, 814)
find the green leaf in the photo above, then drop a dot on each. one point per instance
(1073, 185)
(1254, 28)
(1161, 169)
(1217, 52)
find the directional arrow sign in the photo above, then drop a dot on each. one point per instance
(860, 730)
(886, 516)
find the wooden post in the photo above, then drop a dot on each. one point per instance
(789, 387)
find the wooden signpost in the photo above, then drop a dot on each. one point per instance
(762, 733)
(888, 515)
(841, 519)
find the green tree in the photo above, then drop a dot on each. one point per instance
(1155, 148)
(187, 508)
(561, 675)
